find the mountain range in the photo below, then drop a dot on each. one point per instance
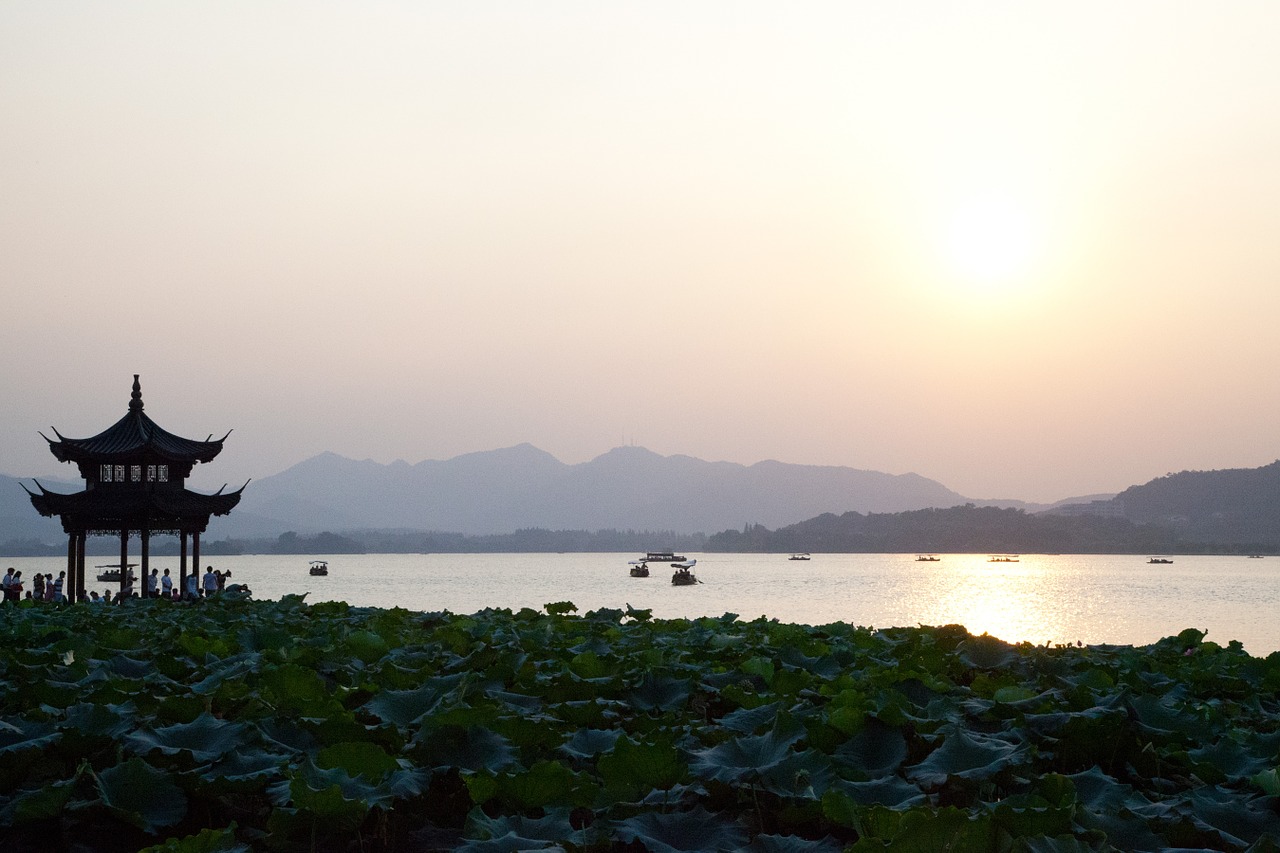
(633, 489)
(522, 487)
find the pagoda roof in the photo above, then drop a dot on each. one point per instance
(129, 504)
(131, 435)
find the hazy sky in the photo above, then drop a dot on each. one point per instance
(1030, 250)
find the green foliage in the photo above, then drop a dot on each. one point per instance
(255, 725)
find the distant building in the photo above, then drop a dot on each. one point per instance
(1106, 509)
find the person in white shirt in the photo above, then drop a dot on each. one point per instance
(193, 585)
(210, 581)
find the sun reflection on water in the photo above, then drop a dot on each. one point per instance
(1015, 601)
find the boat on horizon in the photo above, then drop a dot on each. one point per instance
(1163, 561)
(683, 575)
(663, 557)
(804, 556)
(319, 567)
(927, 558)
(111, 572)
(1003, 558)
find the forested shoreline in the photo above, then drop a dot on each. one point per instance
(958, 530)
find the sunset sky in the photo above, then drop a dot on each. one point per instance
(1030, 250)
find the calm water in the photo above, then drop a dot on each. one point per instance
(1041, 598)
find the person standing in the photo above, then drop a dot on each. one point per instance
(57, 587)
(153, 581)
(193, 585)
(166, 586)
(210, 581)
(6, 583)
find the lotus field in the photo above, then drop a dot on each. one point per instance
(241, 725)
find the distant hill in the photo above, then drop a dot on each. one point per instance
(957, 530)
(499, 491)
(1233, 511)
(1237, 505)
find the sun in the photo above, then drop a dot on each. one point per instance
(989, 242)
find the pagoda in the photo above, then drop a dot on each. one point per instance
(134, 473)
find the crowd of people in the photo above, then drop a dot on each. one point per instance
(46, 587)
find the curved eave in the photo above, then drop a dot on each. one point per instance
(131, 436)
(177, 504)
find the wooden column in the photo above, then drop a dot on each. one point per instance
(81, 538)
(195, 558)
(124, 561)
(72, 550)
(182, 564)
(144, 535)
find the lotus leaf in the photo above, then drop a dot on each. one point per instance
(360, 758)
(791, 844)
(986, 652)
(560, 608)
(803, 775)
(245, 769)
(142, 795)
(588, 743)
(1239, 823)
(293, 688)
(406, 707)
(205, 841)
(553, 826)
(751, 720)
(509, 843)
(747, 756)
(471, 749)
(42, 803)
(1057, 844)
(660, 693)
(206, 738)
(695, 830)
(1231, 757)
(968, 756)
(545, 783)
(631, 769)
(876, 751)
(17, 736)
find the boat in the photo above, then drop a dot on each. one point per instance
(1003, 558)
(639, 569)
(927, 558)
(111, 572)
(1163, 561)
(319, 567)
(1255, 556)
(663, 557)
(798, 557)
(682, 575)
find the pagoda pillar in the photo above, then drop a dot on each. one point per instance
(144, 535)
(81, 538)
(124, 561)
(182, 564)
(72, 575)
(195, 558)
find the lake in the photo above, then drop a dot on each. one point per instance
(1041, 598)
